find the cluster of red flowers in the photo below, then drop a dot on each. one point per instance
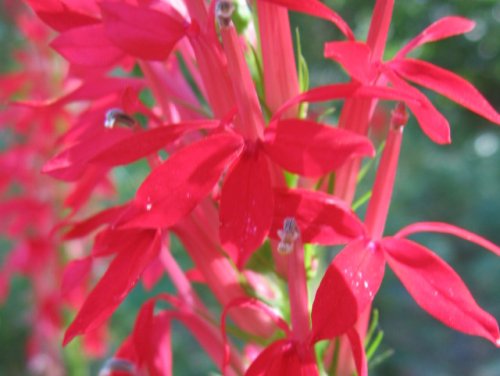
(240, 171)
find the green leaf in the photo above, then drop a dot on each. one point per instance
(303, 75)
(362, 200)
(367, 166)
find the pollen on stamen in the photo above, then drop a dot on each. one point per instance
(288, 236)
(224, 11)
(116, 116)
(117, 365)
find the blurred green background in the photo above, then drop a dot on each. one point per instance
(459, 184)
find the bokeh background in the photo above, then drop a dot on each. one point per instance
(459, 184)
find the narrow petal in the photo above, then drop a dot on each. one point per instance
(343, 91)
(151, 338)
(316, 9)
(354, 58)
(174, 188)
(446, 83)
(142, 144)
(88, 225)
(74, 274)
(61, 16)
(121, 276)
(438, 289)
(446, 228)
(358, 351)
(152, 274)
(250, 120)
(278, 57)
(87, 46)
(431, 121)
(313, 149)
(144, 33)
(111, 241)
(80, 193)
(246, 207)
(347, 288)
(443, 28)
(322, 218)
(71, 163)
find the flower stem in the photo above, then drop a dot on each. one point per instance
(292, 247)
(357, 112)
(251, 120)
(378, 207)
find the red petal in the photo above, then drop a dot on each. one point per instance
(119, 279)
(174, 188)
(322, 218)
(316, 9)
(88, 225)
(354, 58)
(87, 46)
(82, 190)
(431, 121)
(282, 358)
(252, 303)
(312, 149)
(195, 276)
(446, 228)
(343, 91)
(438, 289)
(443, 28)
(358, 351)
(70, 164)
(61, 16)
(246, 207)
(347, 288)
(142, 32)
(110, 241)
(261, 364)
(446, 83)
(74, 274)
(142, 144)
(152, 274)
(151, 338)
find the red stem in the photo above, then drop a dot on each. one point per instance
(380, 201)
(297, 287)
(251, 122)
(357, 112)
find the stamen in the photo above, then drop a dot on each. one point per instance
(116, 116)
(288, 236)
(224, 11)
(113, 365)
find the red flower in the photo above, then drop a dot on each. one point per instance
(355, 275)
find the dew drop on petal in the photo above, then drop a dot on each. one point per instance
(356, 284)
(497, 342)
(365, 283)
(360, 274)
(149, 205)
(370, 293)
